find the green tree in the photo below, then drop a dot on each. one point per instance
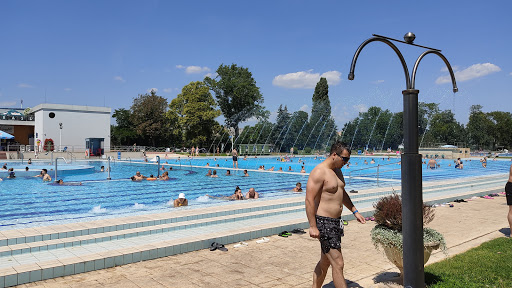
(193, 111)
(320, 111)
(237, 95)
(148, 117)
(501, 130)
(123, 133)
(445, 129)
(479, 128)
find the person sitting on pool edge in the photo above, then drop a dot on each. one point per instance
(165, 176)
(181, 201)
(298, 187)
(252, 194)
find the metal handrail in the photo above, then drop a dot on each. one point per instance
(378, 171)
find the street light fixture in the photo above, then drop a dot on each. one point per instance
(412, 195)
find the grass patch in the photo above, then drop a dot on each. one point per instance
(488, 265)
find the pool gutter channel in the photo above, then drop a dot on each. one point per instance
(103, 231)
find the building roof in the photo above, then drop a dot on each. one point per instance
(76, 108)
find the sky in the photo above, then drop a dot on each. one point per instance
(105, 53)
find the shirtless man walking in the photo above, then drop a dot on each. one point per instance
(325, 197)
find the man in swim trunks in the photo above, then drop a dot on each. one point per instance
(325, 197)
(235, 158)
(508, 193)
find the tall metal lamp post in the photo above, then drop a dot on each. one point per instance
(60, 137)
(412, 196)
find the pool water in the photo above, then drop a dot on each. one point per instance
(28, 201)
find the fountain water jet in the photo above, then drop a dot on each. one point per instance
(385, 134)
(306, 143)
(375, 124)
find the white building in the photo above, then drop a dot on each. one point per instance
(72, 128)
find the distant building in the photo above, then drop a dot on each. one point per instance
(70, 127)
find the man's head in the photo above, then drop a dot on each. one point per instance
(44, 171)
(340, 153)
(181, 196)
(298, 184)
(60, 181)
(138, 173)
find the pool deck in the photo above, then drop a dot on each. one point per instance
(288, 262)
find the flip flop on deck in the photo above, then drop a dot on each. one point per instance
(241, 244)
(298, 231)
(217, 246)
(262, 240)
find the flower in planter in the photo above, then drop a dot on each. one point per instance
(388, 231)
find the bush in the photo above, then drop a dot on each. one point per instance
(388, 212)
(307, 150)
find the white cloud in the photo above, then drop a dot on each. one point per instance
(167, 90)
(305, 79)
(211, 75)
(454, 68)
(119, 78)
(361, 108)
(24, 85)
(7, 104)
(305, 108)
(378, 82)
(152, 89)
(67, 89)
(510, 74)
(472, 72)
(193, 69)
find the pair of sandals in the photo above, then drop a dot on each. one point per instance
(370, 218)
(459, 200)
(217, 246)
(286, 234)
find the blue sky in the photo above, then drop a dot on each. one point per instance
(105, 53)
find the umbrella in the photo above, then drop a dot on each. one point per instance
(4, 135)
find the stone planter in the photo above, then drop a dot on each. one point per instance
(395, 255)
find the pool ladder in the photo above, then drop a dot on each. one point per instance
(56, 166)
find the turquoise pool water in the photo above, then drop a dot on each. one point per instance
(27, 201)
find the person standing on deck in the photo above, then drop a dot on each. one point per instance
(325, 197)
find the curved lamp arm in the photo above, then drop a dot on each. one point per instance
(404, 64)
(455, 89)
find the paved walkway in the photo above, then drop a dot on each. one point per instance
(289, 262)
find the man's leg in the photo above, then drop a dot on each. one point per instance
(320, 271)
(510, 219)
(336, 260)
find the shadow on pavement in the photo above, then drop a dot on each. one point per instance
(349, 284)
(505, 231)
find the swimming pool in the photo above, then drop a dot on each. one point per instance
(27, 201)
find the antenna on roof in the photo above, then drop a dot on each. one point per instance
(21, 103)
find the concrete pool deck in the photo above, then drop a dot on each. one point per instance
(289, 262)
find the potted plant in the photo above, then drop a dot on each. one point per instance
(388, 231)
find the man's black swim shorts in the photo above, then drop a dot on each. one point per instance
(508, 192)
(331, 231)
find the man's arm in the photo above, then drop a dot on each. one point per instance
(313, 190)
